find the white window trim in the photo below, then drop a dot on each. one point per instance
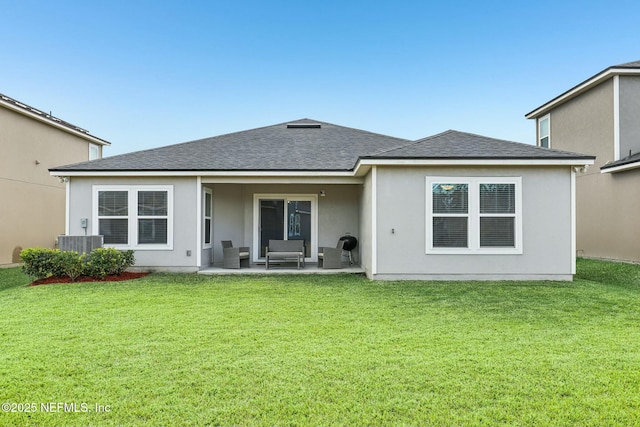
(92, 146)
(474, 215)
(132, 192)
(540, 120)
(205, 217)
(313, 198)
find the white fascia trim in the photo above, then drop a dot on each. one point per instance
(205, 175)
(347, 177)
(587, 84)
(46, 121)
(616, 117)
(283, 180)
(474, 162)
(628, 166)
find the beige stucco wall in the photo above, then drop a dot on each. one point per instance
(585, 125)
(606, 203)
(33, 209)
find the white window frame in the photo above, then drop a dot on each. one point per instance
(540, 137)
(97, 150)
(205, 192)
(286, 197)
(473, 226)
(132, 193)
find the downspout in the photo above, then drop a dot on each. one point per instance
(199, 222)
(616, 118)
(67, 214)
(374, 221)
(574, 250)
(574, 170)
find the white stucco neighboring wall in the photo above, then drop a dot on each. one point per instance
(546, 227)
(386, 212)
(185, 243)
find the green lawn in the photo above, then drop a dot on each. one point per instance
(324, 350)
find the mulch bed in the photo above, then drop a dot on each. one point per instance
(111, 278)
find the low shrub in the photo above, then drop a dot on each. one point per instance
(72, 264)
(40, 263)
(105, 261)
(128, 259)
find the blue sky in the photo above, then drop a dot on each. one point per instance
(144, 74)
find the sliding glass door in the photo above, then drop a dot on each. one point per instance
(285, 217)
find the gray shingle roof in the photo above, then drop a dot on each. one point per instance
(462, 145)
(634, 158)
(328, 147)
(47, 117)
(634, 64)
(277, 147)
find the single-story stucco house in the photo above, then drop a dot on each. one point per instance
(450, 206)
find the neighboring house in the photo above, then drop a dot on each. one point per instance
(451, 206)
(32, 212)
(601, 117)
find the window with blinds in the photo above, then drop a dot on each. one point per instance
(113, 216)
(497, 215)
(135, 216)
(474, 214)
(152, 217)
(450, 215)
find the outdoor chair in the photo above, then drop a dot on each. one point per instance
(234, 257)
(285, 251)
(331, 257)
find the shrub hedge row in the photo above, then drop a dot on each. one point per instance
(40, 263)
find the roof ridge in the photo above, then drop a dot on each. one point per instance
(483, 138)
(632, 64)
(188, 142)
(360, 130)
(249, 130)
(410, 143)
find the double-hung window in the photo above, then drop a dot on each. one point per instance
(207, 218)
(138, 217)
(113, 217)
(474, 215)
(94, 152)
(544, 132)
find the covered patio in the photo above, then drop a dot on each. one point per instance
(257, 269)
(251, 213)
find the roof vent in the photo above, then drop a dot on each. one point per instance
(304, 125)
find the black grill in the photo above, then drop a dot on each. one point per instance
(350, 243)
